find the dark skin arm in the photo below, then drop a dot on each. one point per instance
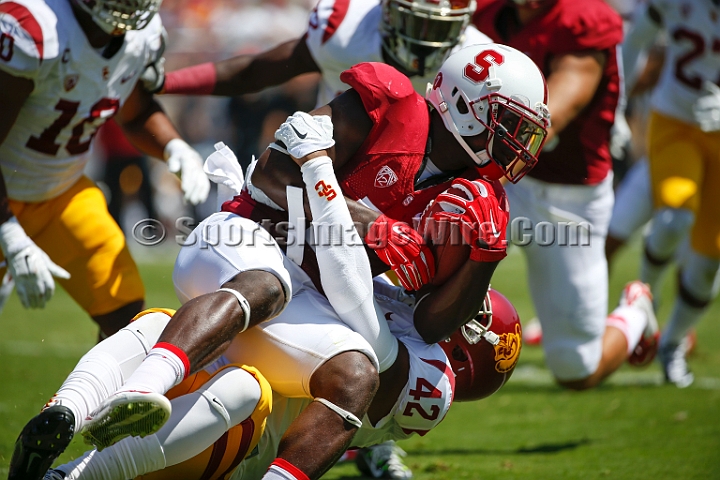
(252, 73)
(573, 80)
(442, 310)
(145, 123)
(14, 91)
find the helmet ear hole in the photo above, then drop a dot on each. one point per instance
(458, 354)
(462, 106)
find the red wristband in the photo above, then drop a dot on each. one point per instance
(195, 80)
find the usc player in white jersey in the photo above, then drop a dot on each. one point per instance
(413, 397)
(684, 125)
(66, 66)
(238, 436)
(414, 36)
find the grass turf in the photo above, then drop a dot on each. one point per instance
(632, 427)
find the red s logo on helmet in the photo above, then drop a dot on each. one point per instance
(479, 71)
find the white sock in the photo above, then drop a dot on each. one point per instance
(682, 319)
(107, 365)
(284, 470)
(669, 227)
(200, 418)
(130, 457)
(631, 321)
(163, 368)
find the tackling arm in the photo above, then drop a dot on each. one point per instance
(148, 127)
(244, 73)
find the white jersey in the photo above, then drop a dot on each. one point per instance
(420, 407)
(343, 33)
(691, 59)
(76, 90)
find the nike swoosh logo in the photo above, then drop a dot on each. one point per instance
(494, 229)
(300, 135)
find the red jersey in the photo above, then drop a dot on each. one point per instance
(583, 154)
(383, 172)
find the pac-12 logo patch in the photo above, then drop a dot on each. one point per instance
(385, 178)
(507, 351)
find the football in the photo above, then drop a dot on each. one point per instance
(448, 247)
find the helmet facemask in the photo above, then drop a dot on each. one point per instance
(516, 133)
(116, 17)
(419, 35)
(479, 327)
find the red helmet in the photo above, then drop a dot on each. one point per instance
(483, 352)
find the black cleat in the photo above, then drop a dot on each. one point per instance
(42, 440)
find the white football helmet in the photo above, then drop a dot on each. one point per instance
(419, 34)
(494, 87)
(119, 16)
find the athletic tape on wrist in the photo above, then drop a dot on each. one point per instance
(296, 216)
(347, 416)
(244, 304)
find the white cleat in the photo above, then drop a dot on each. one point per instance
(383, 461)
(637, 294)
(674, 364)
(126, 414)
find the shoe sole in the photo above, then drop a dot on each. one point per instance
(42, 440)
(132, 419)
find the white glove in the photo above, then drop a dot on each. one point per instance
(707, 108)
(30, 268)
(303, 134)
(187, 163)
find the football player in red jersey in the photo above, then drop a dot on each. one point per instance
(485, 117)
(65, 68)
(572, 188)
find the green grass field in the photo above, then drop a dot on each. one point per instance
(632, 427)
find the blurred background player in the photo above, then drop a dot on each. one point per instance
(571, 189)
(66, 67)
(684, 123)
(413, 36)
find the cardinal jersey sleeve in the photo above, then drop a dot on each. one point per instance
(28, 36)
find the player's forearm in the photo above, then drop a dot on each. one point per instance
(244, 73)
(442, 311)
(572, 86)
(151, 133)
(5, 212)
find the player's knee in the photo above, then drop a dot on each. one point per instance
(263, 291)
(233, 393)
(349, 380)
(147, 328)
